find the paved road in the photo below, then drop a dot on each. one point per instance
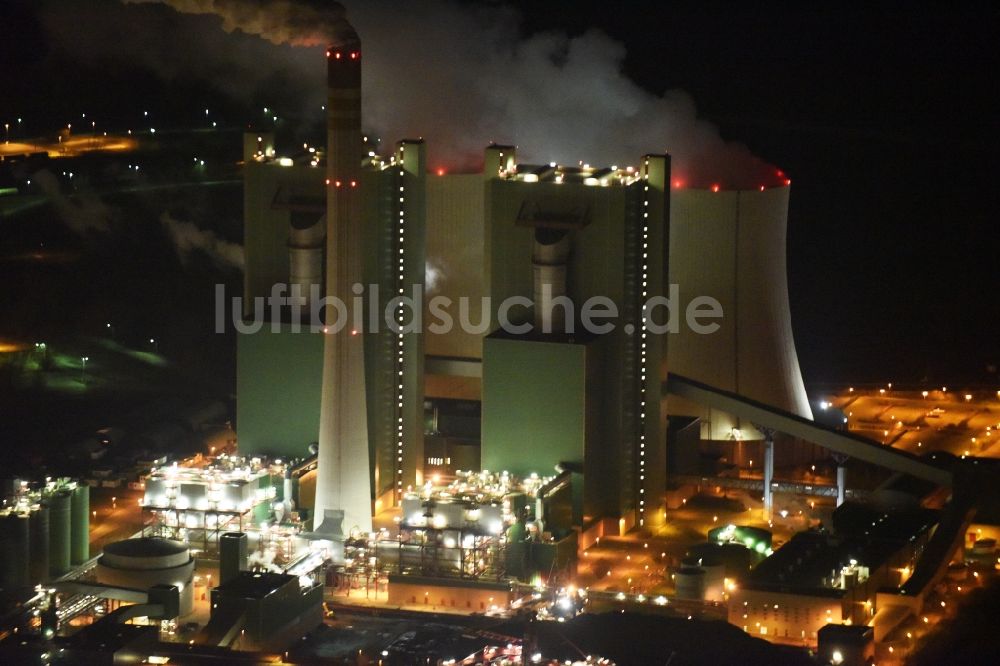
(942, 421)
(115, 520)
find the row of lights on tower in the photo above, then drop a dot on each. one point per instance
(644, 274)
(401, 237)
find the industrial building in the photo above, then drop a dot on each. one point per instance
(197, 502)
(350, 221)
(506, 443)
(131, 603)
(461, 543)
(591, 402)
(263, 611)
(837, 577)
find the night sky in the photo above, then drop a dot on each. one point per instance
(884, 120)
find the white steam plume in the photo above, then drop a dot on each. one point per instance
(295, 22)
(188, 238)
(460, 76)
(434, 273)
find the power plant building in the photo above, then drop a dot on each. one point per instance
(590, 402)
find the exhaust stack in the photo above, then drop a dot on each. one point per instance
(343, 486)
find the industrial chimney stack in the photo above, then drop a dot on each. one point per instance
(344, 483)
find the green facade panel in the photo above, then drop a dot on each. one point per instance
(534, 405)
(278, 380)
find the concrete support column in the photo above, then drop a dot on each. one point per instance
(841, 478)
(841, 484)
(768, 472)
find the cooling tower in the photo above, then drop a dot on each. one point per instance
(344, 469)
(730, 246)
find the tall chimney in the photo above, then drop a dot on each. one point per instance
(344, 484)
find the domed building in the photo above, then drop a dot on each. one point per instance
(143, 563)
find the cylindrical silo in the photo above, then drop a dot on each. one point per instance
(38, 544)
(715, 578)
(60, 513)
(80, 525)
(690, 582)
(147, 562)
(14, 552)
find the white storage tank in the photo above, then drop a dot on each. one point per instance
(715, 578)
(690, 582)
(143, 563)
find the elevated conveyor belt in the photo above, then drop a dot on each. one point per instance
(948, 537)
(796, 426)
(757, 485)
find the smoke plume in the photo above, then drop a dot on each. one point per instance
(461, 77)
(188, 238)
(295, 22)
(457, 75)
